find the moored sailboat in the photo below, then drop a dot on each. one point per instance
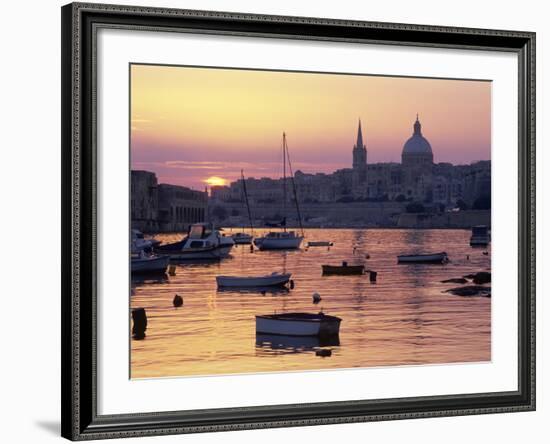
(242, 237)
(275, 240)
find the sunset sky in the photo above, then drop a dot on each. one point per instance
(193, 126)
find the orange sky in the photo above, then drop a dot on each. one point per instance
(191, 124)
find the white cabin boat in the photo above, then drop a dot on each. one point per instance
(298, 324)
(202, 242)
(241, 238)
(138, 242)
(270, 280)
(145, 263)
(279, 240)
(480, 236)
(430, 258)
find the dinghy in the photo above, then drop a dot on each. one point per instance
(144, 263)
(429, 258)
(343, 269)
(320, 244)
(298, 324)
(270, 280)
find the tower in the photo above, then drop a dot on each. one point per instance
(359, 151)
(359, 175)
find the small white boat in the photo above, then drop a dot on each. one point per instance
(279, 240)
(143, 263)
(202, 242)
(270, 280)
(430, 258)
(298, 324)
(241, 238)
(320, 244)
(480, 236)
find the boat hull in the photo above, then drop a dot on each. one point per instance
(290, 243)
(214, 253)
(479, 242)
(319, 244)
(157, 264)
(343, 270)
(242, 239)
(278, 280)
(435, 258)
(298, 324)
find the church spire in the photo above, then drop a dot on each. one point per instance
(359, 136)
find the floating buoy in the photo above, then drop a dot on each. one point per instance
(316, 298)
(291, 284)
(178, 301)
(467, 257)
(172, 270)
(367, 256)
(140, 323)
(323, 353)
(485, 253)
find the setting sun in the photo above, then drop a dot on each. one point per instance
(215, 181)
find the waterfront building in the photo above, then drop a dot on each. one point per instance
(164, 207)
(144, 200)
(179, 206)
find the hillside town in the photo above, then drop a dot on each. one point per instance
(416, 193)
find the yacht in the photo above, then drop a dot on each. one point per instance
(201, 242)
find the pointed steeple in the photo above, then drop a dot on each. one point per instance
(359, 136)
(417, 127)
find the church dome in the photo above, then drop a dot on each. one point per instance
(417, 144)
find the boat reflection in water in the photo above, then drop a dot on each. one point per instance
(149, 278)
(295, 344)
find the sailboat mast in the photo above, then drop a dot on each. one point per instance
(294, 189)
(247, 203)
(284, 179)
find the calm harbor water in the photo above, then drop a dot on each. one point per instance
(404, 318)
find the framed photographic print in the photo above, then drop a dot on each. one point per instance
(281, 221)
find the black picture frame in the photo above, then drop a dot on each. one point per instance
(79, 172)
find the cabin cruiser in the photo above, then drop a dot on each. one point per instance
(279, 240)
(138, 242)
(242, 238)
(201, 242)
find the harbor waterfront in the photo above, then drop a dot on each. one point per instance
(406, 317)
